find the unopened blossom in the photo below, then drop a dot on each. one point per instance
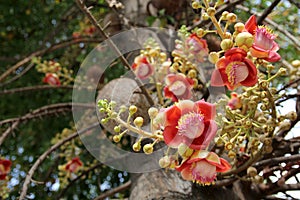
(198, 46)
(202, 167)
(235, 101)
(52, 79)
(4, 168)
(234, 70)
(142, 68)
(178, 87)
(264, 45)
(188, 122)
(73, 165)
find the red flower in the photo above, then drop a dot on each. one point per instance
(197, 46)
(178, 87)
(264, 45)
(190, 123)
(235, 101)
(51, 79)
(73, 165)
(142, 68)
(234, 70)
(4, 168)
(202, 167)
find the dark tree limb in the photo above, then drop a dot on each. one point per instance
(267, 11)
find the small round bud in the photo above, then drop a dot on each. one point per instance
(152, 112)
(136, 146)
(104, 121)
(251, 171)
(231, 17)
(258, 179)
(213, 57)
(184, 150)
(226, 44)
(231, 154)
(102, 110)
(123, 108)
(116, 138)
(285, 125)
(292, 115)
(113, 104)
(268, 149)
(164, 162)
(114, 115)
(224, 14)
(117, 129)
(244, 40)
(153, 53)
(282, 71)
(192, 73)
(229, 146)
(264, 84)
(239, 27)
(138, 122)
(163, 56)
(227, 35)
(296, 63)
(211, 11)
(148, 148)
(195, 5)
(132, 109)
(205, 16)
(248, 123)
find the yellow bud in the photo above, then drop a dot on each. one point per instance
(211, 11)
(282, 71)
(226, 44)
(239, 27)
(148, 148)
(296, 63)
(184, 150)
(136, 146)
(251, 171)
(224, 14)
(138, 122)
(116, 138)
(163, 56)
(153, 53)
(231, 154)
(192, 73)
(205, 16)
(244, 39)
(227, 35)
(152, 112)
(231, 17)
(132, 109)
(291, 115)
(164, 162)
(213, 57)
(195, 5)
(229, 146)
(285, 125)
(117, 129)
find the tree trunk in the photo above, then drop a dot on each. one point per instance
(169, 185)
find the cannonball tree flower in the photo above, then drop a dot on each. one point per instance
(190, 123)
(234, 70)
(178, 87)
(142, 68)
(4, 168)
(51, 79)
(198, 46)
(264, 45)
(73, 165)
(202, 167)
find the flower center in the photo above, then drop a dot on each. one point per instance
(236, 72)
(264, 38)
(178, 88)
(143, 69)
(191, 125)
(203, 172)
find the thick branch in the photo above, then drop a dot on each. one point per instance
(46, 154)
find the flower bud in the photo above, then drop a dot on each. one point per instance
(117, 129)
(205, 16)
(196, 5)
(136, 146)
(239, 27)
(251, 171)
(296, 63)
(285, 126)
(192, 73)
(116, 138)
(152, 112)
(184, 150)
(138, 122)
(211, 11)
(148, 148)
(104, 121)
(231, 17)
(132, 109)
(291, 115)
(244, 40)
(213, 57)
(282, 71)
(224, 14)
(229, 146)
(226, 44)
(164, 162)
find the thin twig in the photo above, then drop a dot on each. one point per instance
(114, 191)
(34, 88)
(46, 154)
(275, 161)
(99, 28)
(47, 50)
(267, 11)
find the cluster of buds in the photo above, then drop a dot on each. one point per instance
(55, 74)
(85, 29)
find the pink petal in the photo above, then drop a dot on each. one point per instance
(251, 25)
(185, 106)
(171, 137)
(173, 114)
(205, 108)
(219, 78)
